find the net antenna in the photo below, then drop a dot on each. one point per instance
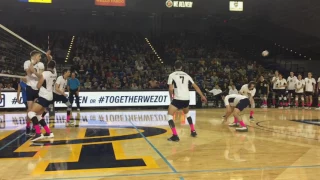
(14, 50)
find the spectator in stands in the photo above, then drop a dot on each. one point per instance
(139, 66)
(217, 94)
(8, 87)
(15, 83)
(87, 84)
(227, 69)
(153, 83)
(214, 77)
(134, 86)
(233, 90)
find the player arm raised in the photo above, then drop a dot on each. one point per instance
(49, 57)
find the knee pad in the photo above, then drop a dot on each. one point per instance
(265, 98)
(280, 98)
(285, 98)
(33, 117)
(39, 117)
(319, 98)
(31, 114)
(169, 117)
(187, 115)
(296, 99)
(302, 98)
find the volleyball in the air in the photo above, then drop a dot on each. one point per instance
(265, 53)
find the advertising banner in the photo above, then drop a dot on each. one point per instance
(105, 99)
(99, 119)
(236, 6)
(120, 3)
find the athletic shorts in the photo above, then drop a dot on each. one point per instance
(282, 92)
(180, 104)
(263, 93)
(43, 102)
(243, 103)
(298, 94)
(308, 93)
(275, 90)
(58, 98)
(31, 94)
(293, 92)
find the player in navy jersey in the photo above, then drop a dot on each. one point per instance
(45, 85)
(179, 89)
(263, 91)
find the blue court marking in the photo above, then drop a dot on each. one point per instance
(192, 172)
(11, 141)
(155, 149)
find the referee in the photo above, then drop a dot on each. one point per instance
(74, 89)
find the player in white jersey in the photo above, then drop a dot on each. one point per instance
(179, 90)
(291, 86)
(281, 89)
(309, 89)
(318, 91)
(45, 86)
(32, 80)
(249, 91)
(59, 91)
(49, 57)
(299, 85)
(235, 103)
(274, 87)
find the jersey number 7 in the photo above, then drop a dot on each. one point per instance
(54, 82)
(182, 77)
